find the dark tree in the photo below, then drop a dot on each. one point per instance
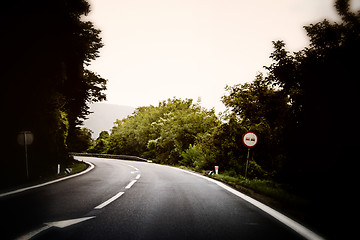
(322, 83)
(45, 47)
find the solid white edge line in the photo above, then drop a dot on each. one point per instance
(109, 201)
(297, 227)
(51, 182)
(130, 184)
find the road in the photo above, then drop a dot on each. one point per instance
(137, 200)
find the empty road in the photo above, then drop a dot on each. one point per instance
(137, 200)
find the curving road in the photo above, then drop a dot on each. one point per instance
(137, 200)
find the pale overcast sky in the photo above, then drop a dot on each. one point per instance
(157, 49)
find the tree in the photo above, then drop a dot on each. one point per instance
(101, 144)
(180, 127)
(162, 132)
(46, 47)
(321, 82)
(259, 107)
(82, 141)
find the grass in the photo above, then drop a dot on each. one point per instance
(268, 188)
(76, 167)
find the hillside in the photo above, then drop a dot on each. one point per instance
(104, 116)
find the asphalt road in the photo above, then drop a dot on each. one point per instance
(137, 200)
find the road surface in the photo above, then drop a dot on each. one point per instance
(137, 200)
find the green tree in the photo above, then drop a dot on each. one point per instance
(259, 107)
(101, 144)
(162, 132)
(182, 123)
(82, 141)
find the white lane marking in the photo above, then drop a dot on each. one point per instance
(136, 169)
(51, 182)
(297, 227)
(109, 201)
(130, 184)
(58, 224)
(66, 223)
(138, 176)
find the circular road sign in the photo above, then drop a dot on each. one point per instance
(250, 139)
(25, 138)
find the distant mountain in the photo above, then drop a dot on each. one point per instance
(104, 115)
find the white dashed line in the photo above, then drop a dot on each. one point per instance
(109, 201)
(136, 169)
(120, 193)
(130, 184)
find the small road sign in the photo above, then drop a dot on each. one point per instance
(250, 139)
(25, 138)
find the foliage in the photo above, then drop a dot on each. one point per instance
(163, 132)
(82, 141)
(295, 109)
(194, 156)
(46, 86)
(269, 188)
(321, 83)
(259, 107)
(101, 143)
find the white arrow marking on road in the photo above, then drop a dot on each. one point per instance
(58, 224)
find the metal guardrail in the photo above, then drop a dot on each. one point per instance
(124, 157)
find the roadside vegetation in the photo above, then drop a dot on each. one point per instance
(294, 107)
(298, 107)
(46, 84)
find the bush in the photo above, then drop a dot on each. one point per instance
(256, 171)
(192, 157)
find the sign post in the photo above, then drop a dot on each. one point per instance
(250, 139)
(25, 138)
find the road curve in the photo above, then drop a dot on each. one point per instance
(137, 200)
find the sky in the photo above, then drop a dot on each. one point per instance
(159, 49)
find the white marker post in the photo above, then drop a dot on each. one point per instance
(250, 139)
(216, 169)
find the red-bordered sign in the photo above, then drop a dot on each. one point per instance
(250, 139)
